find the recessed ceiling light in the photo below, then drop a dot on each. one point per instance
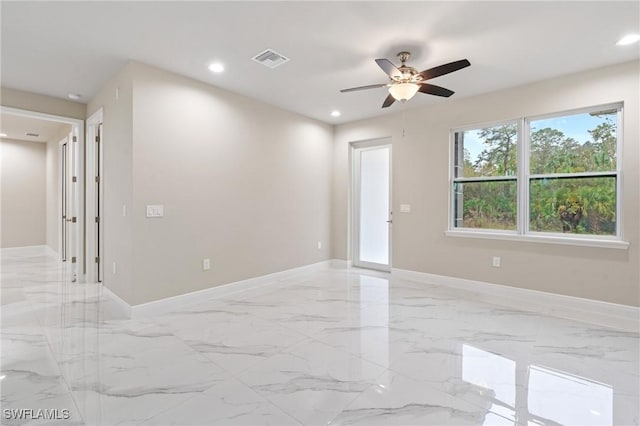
(74, 96)
(336, 113)
(628, 39)
(216, 67)
(3, 135)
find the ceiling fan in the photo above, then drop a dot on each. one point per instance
(406, 81)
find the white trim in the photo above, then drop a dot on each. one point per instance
(341, 264)
(540, 238)
(169, 304)
(620, 178)
(576, 111)
(91, 198)
(41, 115)
(59, 223)
(522, 172)
(356, 148)
(621, 317)
(51, 252)
(124, 306)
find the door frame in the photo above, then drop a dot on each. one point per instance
(60, 208)
(77, 145)
(95, 235)
(354, 204)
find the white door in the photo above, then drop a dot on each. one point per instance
(372, 216)
(98, 203)
(64, 190)
(71, 203)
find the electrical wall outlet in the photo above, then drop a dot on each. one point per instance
(115, 269)
(319, 245)
(206, 264)
(496, 261)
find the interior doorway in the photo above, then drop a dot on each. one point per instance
(64, 192)
(371, 213)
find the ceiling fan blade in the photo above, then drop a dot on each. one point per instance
(391, 70)
(444, 69)
(387, 102)
(432, 89)
(371, 86)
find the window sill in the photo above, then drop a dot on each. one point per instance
(546, 239)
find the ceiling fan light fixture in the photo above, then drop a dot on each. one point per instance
(403, 91)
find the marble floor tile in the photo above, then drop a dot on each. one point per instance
(31, 379)
(234, 342)
(397, 400)
(228, 402)
(319, 346)
(312, 381)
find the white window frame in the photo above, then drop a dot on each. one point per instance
(523, 178)
(453, 179)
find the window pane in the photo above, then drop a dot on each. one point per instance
(486, 152)
(374, 205)
(573, 205)
(574, 143)
(490, 205)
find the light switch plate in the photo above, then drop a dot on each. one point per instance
(405, 208)
(155, 210)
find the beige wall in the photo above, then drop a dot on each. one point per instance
(242, 183)
(23, 193)
(117, 180)
(41, 103)
(420, 178)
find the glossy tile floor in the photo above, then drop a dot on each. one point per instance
(335, 347)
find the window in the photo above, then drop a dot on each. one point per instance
(485, 182)
(548, 176)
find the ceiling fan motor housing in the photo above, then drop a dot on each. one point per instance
(406, 81)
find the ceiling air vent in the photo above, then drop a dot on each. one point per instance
(270, 58)
(31, 134)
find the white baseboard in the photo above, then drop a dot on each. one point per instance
(51, 252)
(169, 304)
(27, 251)
(340, 263)
(124, 306)
(621, 317)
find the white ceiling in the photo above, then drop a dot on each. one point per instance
(55, 48)
(16, 127)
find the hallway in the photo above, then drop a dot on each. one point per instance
(331, 346)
